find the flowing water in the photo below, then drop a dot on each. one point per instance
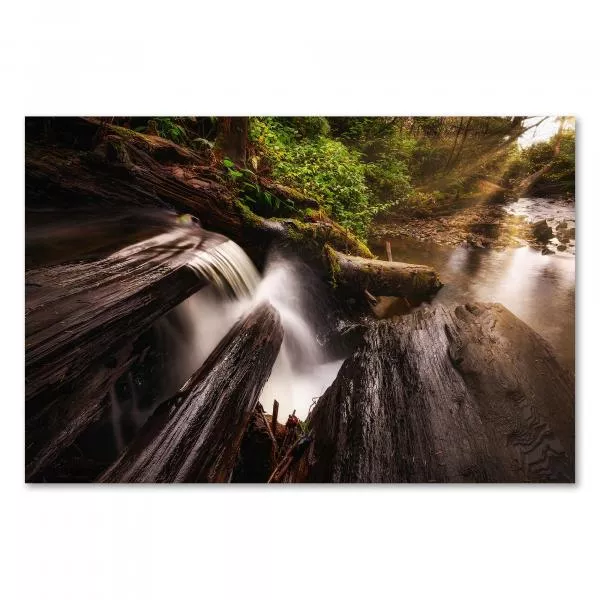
(302, 371)
(184, 338)
(537, 288)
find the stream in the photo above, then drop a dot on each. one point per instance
(537, 288)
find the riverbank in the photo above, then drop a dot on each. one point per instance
(489, 225)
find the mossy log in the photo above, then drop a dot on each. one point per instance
(196, 436)
(382, 278)
(81, 321)
(95, 163)
(469, 394)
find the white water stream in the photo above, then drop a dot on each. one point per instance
(301, 372)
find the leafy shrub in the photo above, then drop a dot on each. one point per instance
(320, 167)
(262, 202)
(167, 128)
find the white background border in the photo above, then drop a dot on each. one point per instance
(427, 58)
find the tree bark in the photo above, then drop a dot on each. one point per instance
(196, 436)
(80, 324)
(470, 394)
(232, 138)
(382, 278)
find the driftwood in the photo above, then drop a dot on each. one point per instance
(196, 436)
(469, 394)
(81, 320)
(382, 278)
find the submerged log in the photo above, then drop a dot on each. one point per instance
(470, 394)
(196, 436)
(382, 278)
(81, 320)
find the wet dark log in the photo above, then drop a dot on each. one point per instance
(382, 278)
(196, 436)
(81, 320)
(469, 394)
(256, 459)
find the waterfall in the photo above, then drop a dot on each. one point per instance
(302, 371)
(227, 266)
(185, 337)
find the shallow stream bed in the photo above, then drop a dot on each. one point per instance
(537, 288)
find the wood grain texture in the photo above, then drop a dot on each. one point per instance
(81, 321)
(196, 436)
(462, 394)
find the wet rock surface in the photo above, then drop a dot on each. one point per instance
(528, 221)
(542, 231)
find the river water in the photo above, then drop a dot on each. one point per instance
(537, 288)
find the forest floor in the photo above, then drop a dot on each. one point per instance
(483, 225)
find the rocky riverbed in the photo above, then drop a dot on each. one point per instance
(541, 223)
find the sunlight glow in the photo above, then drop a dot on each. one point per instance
(544, 131)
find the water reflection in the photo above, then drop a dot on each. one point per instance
(539, 289)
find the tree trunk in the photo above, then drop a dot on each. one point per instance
(80, 324)
(232, 138)
(462, 141)
(112, 167)
(454, 144)
(464, 395)
(118, 167)
(524, 186)
(196, 436)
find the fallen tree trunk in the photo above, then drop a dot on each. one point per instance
(91, 162)
(470, 394)
(195, 437)
(81, 320)
(382, 278)
(111, 166)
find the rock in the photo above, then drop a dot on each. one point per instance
(562, 248)
(542, 231)
(548, 251)
(562, 225)
(570, 233)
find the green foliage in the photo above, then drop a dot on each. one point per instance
(167, 128)
(319, 166)
(558, 177)
(306, 127)
(262, 202)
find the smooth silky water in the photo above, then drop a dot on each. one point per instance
(537, 288)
